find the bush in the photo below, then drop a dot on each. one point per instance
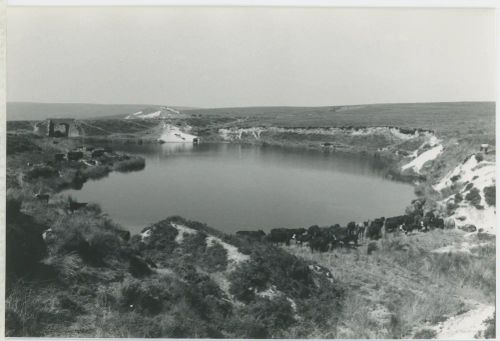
(473, 197)
(41, 172)
(455, 178)
(94, 238)
(458, 198)
(479, 157)
(215, 258)
(490, 332)
(130, 165)
(96, 172)
(425, 334)
(490, 195)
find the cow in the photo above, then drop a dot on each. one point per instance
(427, 221)
(314, 230)
(438, 223)
(374, 230)
(279, 235)
(392, 223)
(320, 242)
(302, 238)
(255, 235)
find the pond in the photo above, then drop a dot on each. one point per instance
(234, 187)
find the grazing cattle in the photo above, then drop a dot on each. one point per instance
(438, 223)
(73, 205)
(392, 223)
(484, 147)
(361, 229)
(374, 231)
(255, 235)
(280, 235)
(301, 238)
(42, 197)
(320, 242)
(314, 231)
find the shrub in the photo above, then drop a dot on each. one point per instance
(490, 332)
(133, 164)
(479, 157)
(455, 178)
(490, 195)
(458, 198)
(425, 334)
(96, 172)
(473, 197)
(215, 258)
(41, 172)
(275, 314)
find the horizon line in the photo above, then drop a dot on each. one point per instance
(251, 106)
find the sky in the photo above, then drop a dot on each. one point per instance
(236, 57)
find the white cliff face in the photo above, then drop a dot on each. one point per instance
(164, 112)
(231, 134)
(418, 162)
(480, 175)
(172, 133)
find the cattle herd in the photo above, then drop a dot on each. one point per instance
(323, 239)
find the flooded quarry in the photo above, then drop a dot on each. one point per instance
(234, 187)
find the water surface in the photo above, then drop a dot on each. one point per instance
(234, 187)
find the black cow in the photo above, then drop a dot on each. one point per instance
(392, 223)
(314, 231)
(320, 242)
(280, 235)
(343, 236)
(301, 238)
(255, 235)
(438, 223)
(374, 230)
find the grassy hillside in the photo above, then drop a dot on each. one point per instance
(404, 286)
(444, 118)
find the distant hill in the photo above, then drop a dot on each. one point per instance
(17, 111)
(444, 117)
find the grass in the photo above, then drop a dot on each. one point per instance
(402, 286)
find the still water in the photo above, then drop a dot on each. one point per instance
(234, 187)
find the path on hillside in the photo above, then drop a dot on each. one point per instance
(465, 326)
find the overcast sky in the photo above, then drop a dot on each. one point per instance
(221, 57)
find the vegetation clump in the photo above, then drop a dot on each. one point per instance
(490, 195)
(132, 164)
(473, 197)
